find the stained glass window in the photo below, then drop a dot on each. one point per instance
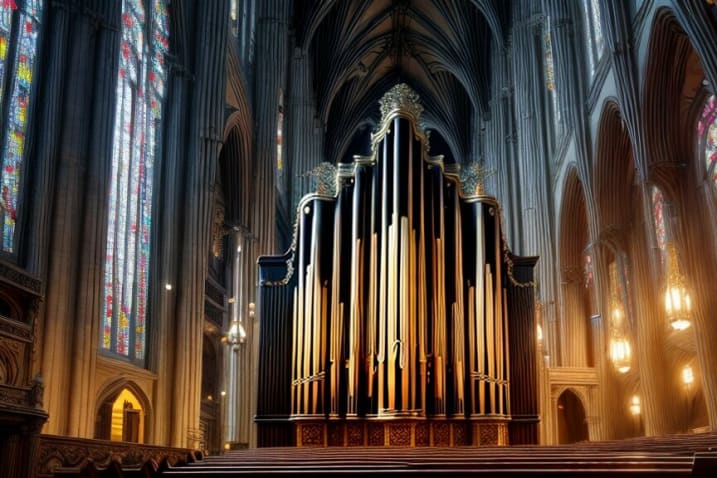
(593, 30)
(707, 134)
(549, 66)
(19, 28)
(140, 91)
(280, 133)
(658, 216)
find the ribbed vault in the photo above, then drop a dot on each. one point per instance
(673, 93)
(614, 170)
(360, 48)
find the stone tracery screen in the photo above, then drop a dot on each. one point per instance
(395, 297)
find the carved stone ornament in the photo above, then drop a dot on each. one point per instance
(218, 230)
(471, 177)
(325, 179)
(400, 97)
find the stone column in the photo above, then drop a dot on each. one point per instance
(166, 245)
(697, 263)
(205, 127)
(654, 371)
(649, 336)
(500, 146)
(303, 132)
(574, 332)
(270, 77)
(536, 203)
(90, 295)
(69, 209)
(48, 114)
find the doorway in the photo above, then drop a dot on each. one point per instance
(572, 423)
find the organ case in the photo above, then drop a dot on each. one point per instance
(388, 322)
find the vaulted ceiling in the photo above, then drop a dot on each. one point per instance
(361, 48)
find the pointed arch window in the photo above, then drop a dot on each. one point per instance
(593, 31)
(549, 67)
(658, 218)
(138, 113)
(707, 137)
(19, 29)
(280, 133)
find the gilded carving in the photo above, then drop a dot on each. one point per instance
(471, 178)
(218, 230)
(400, 98)
(325, 178)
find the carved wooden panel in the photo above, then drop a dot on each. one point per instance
(311, 435)
(355, 434)
(68, 452)
(336, 433)
(399, 434)
(375, 434)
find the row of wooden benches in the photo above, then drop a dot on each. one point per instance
(676, 455)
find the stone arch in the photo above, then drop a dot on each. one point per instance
(673, 94)
(572, 417)
(573, 239)
(614, 170)
(237, 172)
(109, 393)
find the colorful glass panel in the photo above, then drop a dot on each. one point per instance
(598, 39)
(140, 93)
(593, 30)
(707, 130)
(549, 65)
(658, 216)
(19, 48)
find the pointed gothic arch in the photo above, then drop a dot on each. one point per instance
(140, 415)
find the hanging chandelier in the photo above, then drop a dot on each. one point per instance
(620, 354)
(678, 304)
(620, 351)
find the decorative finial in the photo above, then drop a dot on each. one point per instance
(325, 177)
(471, 178)
(400, 97)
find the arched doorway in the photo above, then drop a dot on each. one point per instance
(572, 423)
(121, 417)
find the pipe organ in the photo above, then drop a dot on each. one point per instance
(396, 318)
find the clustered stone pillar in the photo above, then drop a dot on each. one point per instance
(206, 124)
(649, 339)
(270, 79)
(535, 202)
(71, 333)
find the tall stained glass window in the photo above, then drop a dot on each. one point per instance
(140, 92)
(707, 135)
(549, 66)
(593, 30)
(658, 217)
(280, 133)
(19, 28)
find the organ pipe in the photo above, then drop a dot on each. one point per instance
(398, 286)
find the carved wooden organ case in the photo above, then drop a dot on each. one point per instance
(398, 316)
